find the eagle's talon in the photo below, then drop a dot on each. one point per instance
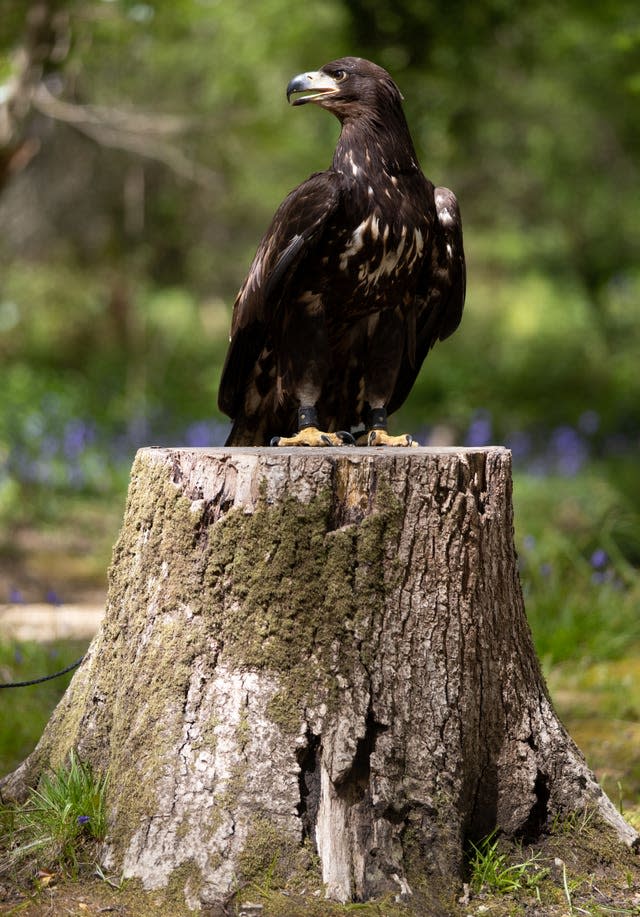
(382, 438)
(311, 436)
(345, 438)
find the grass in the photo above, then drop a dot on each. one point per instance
(58, 824)
(492, 871)
(578, 540)
(509, 881)
(24, 712)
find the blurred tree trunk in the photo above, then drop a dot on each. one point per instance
(319, 650)
(44, 47)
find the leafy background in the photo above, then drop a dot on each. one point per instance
(143, 149)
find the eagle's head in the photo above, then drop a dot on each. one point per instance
(349, 87)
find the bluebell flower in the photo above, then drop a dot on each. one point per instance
(569, 450)
(519, 442)
(77, 436)
(199, 433)
(480, 429)
(599, 559)
(206, 433)
(539, 466)
(49, 446)
(83, 819)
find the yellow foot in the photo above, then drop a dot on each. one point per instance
(382, 438)
(311, 436)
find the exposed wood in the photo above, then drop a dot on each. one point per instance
(317, 650)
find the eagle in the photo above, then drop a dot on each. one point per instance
(360, 272)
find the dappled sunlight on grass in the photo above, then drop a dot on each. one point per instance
(56, 547)
(600, 706)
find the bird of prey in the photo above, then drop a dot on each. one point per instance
(359, 274)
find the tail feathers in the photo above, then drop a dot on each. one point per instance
(254, 430)
(247, 432)
(260, 428)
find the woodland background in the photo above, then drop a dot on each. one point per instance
(143, 149)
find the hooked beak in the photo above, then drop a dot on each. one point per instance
(316, 84)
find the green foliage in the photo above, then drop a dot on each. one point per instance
(24, 715)
(491, 869)
(60, 821)
(537, 99)
(117, 276)
(579, 549)
(532, 351)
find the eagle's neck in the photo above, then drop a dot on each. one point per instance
(375, 143)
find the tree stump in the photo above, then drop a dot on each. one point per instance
(316, 651)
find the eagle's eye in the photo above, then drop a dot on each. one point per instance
(339, 75)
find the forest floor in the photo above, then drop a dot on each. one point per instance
(585, 883)
(54, 587)
(567, 874)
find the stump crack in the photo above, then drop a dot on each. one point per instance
(316, 646)
(531, 829)
(308, 757)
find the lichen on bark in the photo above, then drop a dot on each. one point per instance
(321, 648)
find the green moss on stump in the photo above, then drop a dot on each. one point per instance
(281, 589)
(270, 858)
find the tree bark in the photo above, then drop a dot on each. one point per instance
(316, 650)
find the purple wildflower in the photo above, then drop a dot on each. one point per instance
(480, 429)
(599, 559)
(569, 450)
(77, 436)
(199, 433)
(519, 442)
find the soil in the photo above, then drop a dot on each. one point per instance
(584, 875)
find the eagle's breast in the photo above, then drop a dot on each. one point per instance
(377, 244)
(378, 260)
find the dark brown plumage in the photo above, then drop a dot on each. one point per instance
(360, 273)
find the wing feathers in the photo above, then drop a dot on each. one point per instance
(297, 223)
(440, 295)
(449, 219)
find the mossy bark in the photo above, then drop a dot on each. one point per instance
(316, 654)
